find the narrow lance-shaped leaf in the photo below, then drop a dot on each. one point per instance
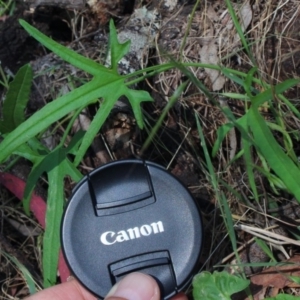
(248, 81)
(239, 29)
(246, 146)
(70, 56)
(263, 245)
(245, 142)
(162, 116)
(282, 165)
(16, 100)
(55, 204)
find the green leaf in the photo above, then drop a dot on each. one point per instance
(274, 181)
(236, 96)
(221, 134)
(283, 297)
(66, 54)
(239, 29)
(249, 166)
(282, 165)
(43, 118)
(55, 204)
(230, 74)
(135, 98)
(25, 273)
(294, 278)
(210, 166)
(28, 153)
(16, 99)
(248, 81)
(45, 164)
(117, 50)
(287, 139)
(75, 142)
(223, 202)
(257, 100)
(219, 285)
(276, 90)
(263, 245)
(42, 165)
(165, 111)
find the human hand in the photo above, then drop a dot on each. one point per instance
(135, 286)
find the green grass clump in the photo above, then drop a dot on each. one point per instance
(7, 7)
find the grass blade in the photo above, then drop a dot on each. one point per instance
(249, 166)
(226, 214)
(169, 105)
(257, 100)
(282, 165)
(276, 90)
(263, 245)
(55, 204)
(26, 274)
(239, 29)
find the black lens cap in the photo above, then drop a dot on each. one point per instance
(132, 216)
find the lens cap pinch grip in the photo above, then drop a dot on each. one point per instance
(132, 216)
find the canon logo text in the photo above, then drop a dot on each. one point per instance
(111, 237)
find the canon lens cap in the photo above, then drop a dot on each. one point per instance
(132, 216)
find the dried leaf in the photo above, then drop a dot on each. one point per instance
(216, 39)
(278, 276)
(209, 55)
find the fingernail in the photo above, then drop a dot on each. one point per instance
(70, 278)
(135, 286)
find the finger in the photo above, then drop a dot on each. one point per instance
(70, 290)
(135, 286)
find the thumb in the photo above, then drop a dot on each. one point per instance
(135, 286)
